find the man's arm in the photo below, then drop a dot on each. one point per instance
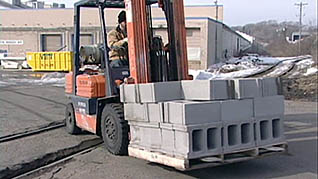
(114, 42)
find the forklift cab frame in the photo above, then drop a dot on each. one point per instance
(108, 72)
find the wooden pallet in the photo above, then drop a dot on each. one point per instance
(212, 161)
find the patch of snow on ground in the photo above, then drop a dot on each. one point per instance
(250, 65)
(2, 83)
(311, 71)
(227, 71)
(55, 79)
(195, 73)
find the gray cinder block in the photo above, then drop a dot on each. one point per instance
(247, 88)
(159, 92)
(168, 140)
(269, 106)
(269, 131)
(154, 112)
(190, 112)
(237, 110)
(147, 112)
(198, 140)
(148, 134)
(238, 136)
(205, 90)
(135, 134)
(128, 93)
(135, 112)
(271, 86)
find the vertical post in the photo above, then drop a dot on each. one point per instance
(76, 46)
(301, 5)
(137, 32)
(181, 40)
(216, 32)
(108, 75)
(300, 25)
(178, 59)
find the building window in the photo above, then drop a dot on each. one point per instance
(189, 33)
(51, 42)
(85, 39)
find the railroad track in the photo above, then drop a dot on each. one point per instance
(270, 69)
(49, 127)
(57, 162)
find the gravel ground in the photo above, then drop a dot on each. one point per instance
(302, 89)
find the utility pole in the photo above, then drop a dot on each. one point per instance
(300, 5)
(216, 30)
(217, 10)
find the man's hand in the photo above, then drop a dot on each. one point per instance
(125, 40)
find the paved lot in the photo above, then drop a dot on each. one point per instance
(301, 162)
(25, 105)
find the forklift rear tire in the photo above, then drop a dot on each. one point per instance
(70, 120)
(115, 129)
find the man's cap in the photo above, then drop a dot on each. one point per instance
(121, 17)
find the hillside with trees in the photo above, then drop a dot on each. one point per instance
(274, 37)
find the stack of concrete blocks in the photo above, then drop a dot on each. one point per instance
(268, 108)
(201, 118)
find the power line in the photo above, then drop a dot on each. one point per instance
(300, 5)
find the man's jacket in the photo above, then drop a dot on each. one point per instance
(118, 47)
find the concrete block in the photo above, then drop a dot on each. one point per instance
(168, 140)
(247, 88)
(198, 140)
(128, 93)
(191, 113)
(135, 112)
(214, 140)
(151, 137)
(271, 86)
(159, 92)
(147, 135)
(238, 136)
(135, 134)
(154, 112)
(269, 106)
(269, 131)
(205, 90)
(237, 110)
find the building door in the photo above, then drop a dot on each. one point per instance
(51, 42)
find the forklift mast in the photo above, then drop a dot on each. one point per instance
(143, 69)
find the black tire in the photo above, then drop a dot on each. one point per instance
(115, 129)
(70, 121)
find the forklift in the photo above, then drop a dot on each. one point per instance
(94, 96)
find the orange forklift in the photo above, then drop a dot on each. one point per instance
(94, 101)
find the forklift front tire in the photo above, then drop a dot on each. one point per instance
(70, 121)
(115, 129)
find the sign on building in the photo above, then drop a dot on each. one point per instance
(11, 42)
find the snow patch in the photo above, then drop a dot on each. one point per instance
(311, 71)
(250, 65)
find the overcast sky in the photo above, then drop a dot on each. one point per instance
(241, 12)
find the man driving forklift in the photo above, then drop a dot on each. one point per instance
(118, 43)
